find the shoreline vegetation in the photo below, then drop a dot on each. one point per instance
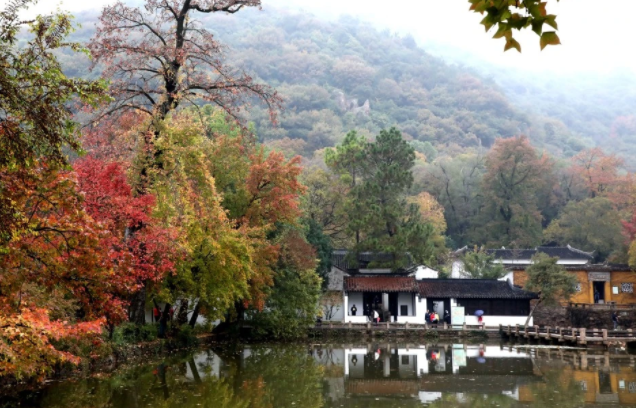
(134, 345)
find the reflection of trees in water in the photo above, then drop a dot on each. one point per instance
(268, 377)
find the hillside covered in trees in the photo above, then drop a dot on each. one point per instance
(327, 71)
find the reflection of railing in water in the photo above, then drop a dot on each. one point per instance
(579, 336)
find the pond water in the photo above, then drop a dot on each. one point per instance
(359, 375)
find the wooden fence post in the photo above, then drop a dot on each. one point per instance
(604, 334)
(387, 325)
(582, 335)
(406, 325)
(349, 324)
(445, 327)
(464, 326)
(368, 325)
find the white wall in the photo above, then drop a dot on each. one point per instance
(424, 272)
(457, 269)
(336, 303)
(336, 279)
(405, 299)
(355, 298)
(497, 320)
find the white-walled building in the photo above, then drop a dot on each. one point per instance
(406, 295)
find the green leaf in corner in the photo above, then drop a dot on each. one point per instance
(549, 38)
(512, 43)
(551, 21)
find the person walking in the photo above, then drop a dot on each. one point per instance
(367, 311)
(376, 317)
(615, 319)
(427, 316)
(447, 317)
(597, 296)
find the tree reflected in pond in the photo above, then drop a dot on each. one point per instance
(364, 376)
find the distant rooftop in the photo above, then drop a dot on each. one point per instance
(472, 289)
(348, 262)
(566, 252)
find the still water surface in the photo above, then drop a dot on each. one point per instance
(360, 375)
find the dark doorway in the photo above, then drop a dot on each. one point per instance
(599, 292)
(393, 306)
(372, 299)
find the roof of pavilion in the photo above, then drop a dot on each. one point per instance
(472, 289)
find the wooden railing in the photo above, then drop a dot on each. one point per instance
(578, 335)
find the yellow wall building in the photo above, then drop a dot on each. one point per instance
(615, 284)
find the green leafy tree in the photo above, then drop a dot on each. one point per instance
(549, 280)
(592, 225)
(35, 98)
(456, 184)
(377, 204)
(322, 245)
(324, 204)
(516, 180)
(293, 300)
(478, 264)
(506, 16)
(349, 161)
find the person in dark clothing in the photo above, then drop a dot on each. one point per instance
(597, 296)
(615, 320)
(447, 317)
(354, 310)
(367, 311)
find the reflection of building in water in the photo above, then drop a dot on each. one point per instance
(600, 385)
(425, 372)
(203, 365)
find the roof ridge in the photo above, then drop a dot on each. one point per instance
(580, 250)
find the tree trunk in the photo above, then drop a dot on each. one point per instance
(137, 311)
(163, 321)
(195, 314)
(531, 312)
(195, 371)
(182, 315)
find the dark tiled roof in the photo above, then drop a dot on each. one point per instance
(380, 284)
(346, 261)
(567, 252)
(472, 289)
(584, 268)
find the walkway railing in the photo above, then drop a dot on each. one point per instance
(579, 336)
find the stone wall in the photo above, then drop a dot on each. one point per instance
(578, 317)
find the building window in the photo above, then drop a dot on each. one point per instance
(578, 287)
(627, 287)
(405, 360)
(404, 310)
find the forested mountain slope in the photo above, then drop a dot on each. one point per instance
(339, 75)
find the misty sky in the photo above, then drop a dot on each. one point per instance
(596, 36)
